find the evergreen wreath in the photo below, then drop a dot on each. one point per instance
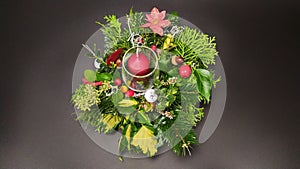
(148, 82)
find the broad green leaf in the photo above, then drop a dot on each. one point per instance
(117, 75)
(205, 82)
(117, 97)
(90, 75)
(126, 110)
(103, 76)
(145, 140)
(143, 118)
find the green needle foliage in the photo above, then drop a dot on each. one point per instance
(196, 46)
(85, 97)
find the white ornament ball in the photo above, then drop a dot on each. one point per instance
(96, 64)
(150, 95)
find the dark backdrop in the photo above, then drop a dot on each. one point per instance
(258, 43)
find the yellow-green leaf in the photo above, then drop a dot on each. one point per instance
(127, 135)
(110, 122)
(90, 75)
(145, 139)
(127, 103)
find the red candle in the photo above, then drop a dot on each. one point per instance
(138, 64)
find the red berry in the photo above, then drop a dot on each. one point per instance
(99, 83)
(185, 71)
(118, 81)
(95, 84)
(153, 47)
(129, 93)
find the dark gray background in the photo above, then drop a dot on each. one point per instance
(258, 43)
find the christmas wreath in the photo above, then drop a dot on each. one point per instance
(151, 82)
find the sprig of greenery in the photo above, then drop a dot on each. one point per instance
(194, 45)
(185, 144)
(85, 97)
(136, 19)
(112, 32)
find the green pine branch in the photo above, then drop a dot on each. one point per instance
(194, 45)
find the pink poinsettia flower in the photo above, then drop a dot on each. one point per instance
(156, 21)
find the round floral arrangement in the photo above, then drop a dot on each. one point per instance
(150, 84)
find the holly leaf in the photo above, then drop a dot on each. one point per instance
(90, 75)
(145, 140)
(204, 82)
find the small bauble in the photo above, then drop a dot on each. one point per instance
(138, 64)
(185, 71)
(175, 60)
(119, 63)
(124, 89)
(118, 81)
(150, 95)
(179, 59)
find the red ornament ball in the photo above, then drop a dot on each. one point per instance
(185, 71)
(118, 81)
(129, 93)
(138, 64)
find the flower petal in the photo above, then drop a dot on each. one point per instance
(146, 25)
(164, 23)
(154, 10)
(157, 29)
(162, 14)
(149, 18)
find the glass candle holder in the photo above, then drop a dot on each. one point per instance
(139, 65)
